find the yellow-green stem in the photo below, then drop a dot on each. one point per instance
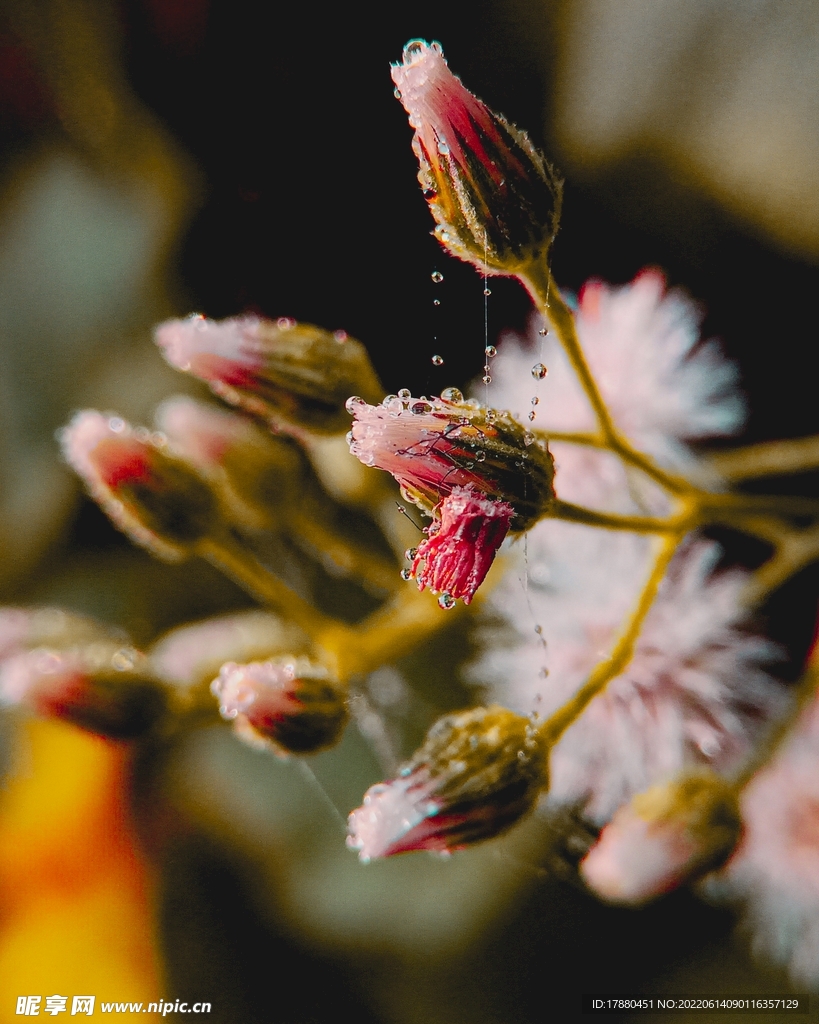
(538, 281)
(605, 671)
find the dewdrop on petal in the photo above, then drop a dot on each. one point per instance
(495, 199)
(290, 705)
(663, 837)
(156, 498)
(295, 376)
(103, 687)
(477, 774)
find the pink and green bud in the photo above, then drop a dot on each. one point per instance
(155, 497)
(294, 376)
(290, 705)
(662, 838)
(104, 688)
(477, 472)
(477, 774)
(262, 477)
(495, 199)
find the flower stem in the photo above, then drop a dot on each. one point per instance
(771, 458)
(538, 281)
(605, 671)
(611, 520)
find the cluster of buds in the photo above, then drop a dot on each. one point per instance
(289, 705)
(663, 837)
(294, 376)
(478, 472)
(495, 199)
(63, 666)
(149, 492)
(477, 774)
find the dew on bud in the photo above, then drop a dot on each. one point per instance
(480, 456)
(406, 575)
(543, 332)
(436, 276)
(285, 323)
(410, 553)
(354, 402)
(436, 302)
(405, 394)
(420, 408)
(437, 360)
(528, 438)
(539, 371)
(446, 601)
(340, 336)
(452, 395)
(531, 417)
(491, 351)
(486, 379)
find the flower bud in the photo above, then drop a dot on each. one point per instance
(495, 199)
(262, 477)
(153, 496)
(663, 837)
(295, 376)
(103, 687)
(476, 471)
(290, 705)
(477, 774)
(432, 447)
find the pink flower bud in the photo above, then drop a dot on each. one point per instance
(153, 496)
(295, 376)
(289, 704)
(495, 199)
(477, 774)
(104, 687)
(261, 477)
(477, 471)
(663, 837)
(460, 547)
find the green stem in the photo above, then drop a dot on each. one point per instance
(612, 521)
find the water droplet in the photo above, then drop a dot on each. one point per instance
(539, 371)
(528, 438)
(523, 756)
(349, 437)
(487, 291)
(410, 553)
(538, 630)
(436, 276)
(420, 408)
(486, 379)
(405, 394)
(393, 404)
(480, 456)
(397, 93)
(285, 323)
(531, 416)
(470, 465)
(491, 351)
(447, 601)
(414, 48)
(452, 395)
(491, 416)
(437, 360)
(436, 302)
(443, 146)
(340, 336)
(543, 332)
(535, 400)
(406, 574)
(116, 425)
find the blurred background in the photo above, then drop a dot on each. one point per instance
(167, 156)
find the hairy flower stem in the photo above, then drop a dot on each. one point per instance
(605, 671)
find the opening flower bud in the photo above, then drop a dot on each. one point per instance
(469, 467)
(477, 774)
(495, 199)
(663, 837)
(295, 376)
(290, 705)
(103, 687)
(153, 496)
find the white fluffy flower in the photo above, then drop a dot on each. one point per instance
(776, 868)
(641, 343)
